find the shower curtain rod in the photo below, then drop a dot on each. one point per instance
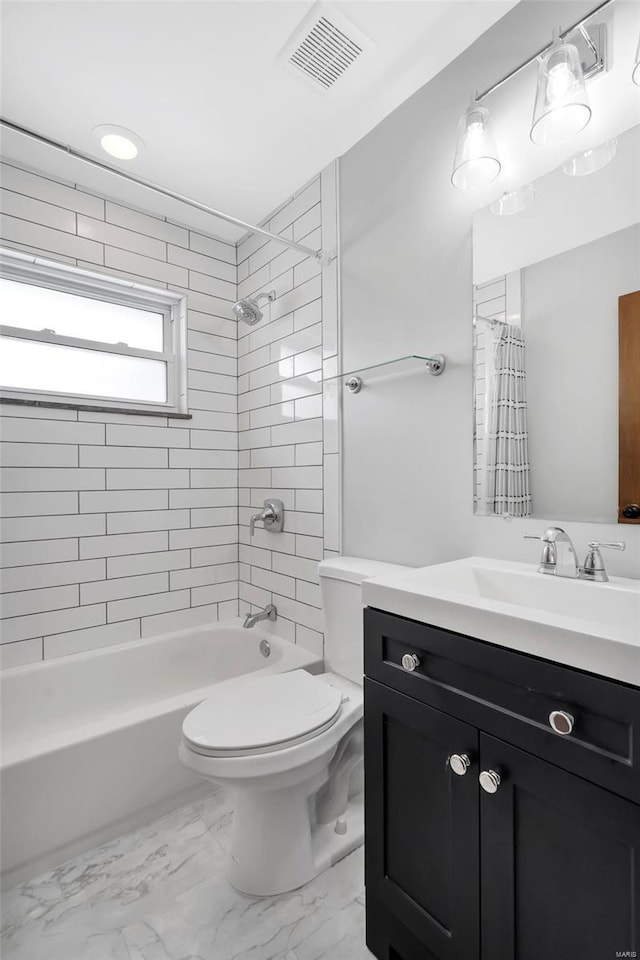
(163, 191)
(492, 321)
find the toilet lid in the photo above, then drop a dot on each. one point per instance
(255, 714)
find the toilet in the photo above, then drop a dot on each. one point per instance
(290, 748)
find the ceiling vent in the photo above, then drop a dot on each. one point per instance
(324, 47)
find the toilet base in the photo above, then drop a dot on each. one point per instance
(291, 852)
(297, 809)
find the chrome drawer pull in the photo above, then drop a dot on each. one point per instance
(459, 763)
(561, 722)
(489, 781)
(410, 661)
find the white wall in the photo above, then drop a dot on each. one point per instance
(566, 213)
(116, 526)
(571, 335)
(407, 285)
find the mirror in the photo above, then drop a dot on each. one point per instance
(556, 336)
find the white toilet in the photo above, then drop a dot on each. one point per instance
(290, 746)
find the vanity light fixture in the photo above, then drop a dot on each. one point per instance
(561, 107)
(476, 161)
(513, 201)
(117, 141)
(582, 164)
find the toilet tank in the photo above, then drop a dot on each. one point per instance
(341, 590)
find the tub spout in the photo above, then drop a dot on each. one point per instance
(269, 613)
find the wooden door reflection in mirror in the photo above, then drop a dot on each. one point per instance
(629, 415)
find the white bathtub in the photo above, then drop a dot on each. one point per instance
(90, 741)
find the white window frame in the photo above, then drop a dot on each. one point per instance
(37, 271)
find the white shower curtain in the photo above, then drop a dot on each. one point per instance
(508, 489)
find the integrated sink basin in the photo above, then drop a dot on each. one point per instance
(616, 605)
(592, 626)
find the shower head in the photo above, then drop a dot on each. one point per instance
(248, 309)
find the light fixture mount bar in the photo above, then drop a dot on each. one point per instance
(320, 255)
(596, 45)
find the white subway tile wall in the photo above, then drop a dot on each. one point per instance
(119, 526)
(280, 412)
(105, 517)
(489, 303)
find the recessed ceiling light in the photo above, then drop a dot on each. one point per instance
(118, 142)
(118, 146)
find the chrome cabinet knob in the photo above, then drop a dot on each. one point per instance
(459, 763)
(561, 722)
(489, 781)
(410, 661)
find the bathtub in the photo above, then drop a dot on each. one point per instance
(90, 741)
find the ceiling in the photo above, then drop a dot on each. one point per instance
(223, 121)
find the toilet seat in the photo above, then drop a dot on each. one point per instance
(252, 715)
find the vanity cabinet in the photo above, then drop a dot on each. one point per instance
(536, 859)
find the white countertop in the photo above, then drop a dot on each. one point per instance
(591, 626)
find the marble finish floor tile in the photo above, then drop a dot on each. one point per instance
(160, 893)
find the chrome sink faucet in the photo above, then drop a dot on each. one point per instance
(558, 553)
(560, 560)
(269, 613)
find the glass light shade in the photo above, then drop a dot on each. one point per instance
(591, 160)
(562, 106)
(476, 161)
(513, 201)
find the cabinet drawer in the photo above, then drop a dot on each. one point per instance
(512, 695)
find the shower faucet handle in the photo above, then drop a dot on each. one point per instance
(272, 515)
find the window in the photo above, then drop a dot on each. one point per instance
(71, 336)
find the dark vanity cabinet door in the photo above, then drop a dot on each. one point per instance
(421, 827)
(542, 865)
(559, 867)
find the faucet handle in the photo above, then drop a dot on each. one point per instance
(549, 557)
(551, 535)
(608, 544)
(593, 568)
(272, 515)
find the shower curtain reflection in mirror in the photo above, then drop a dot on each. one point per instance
(505, 488)
(508, 489)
